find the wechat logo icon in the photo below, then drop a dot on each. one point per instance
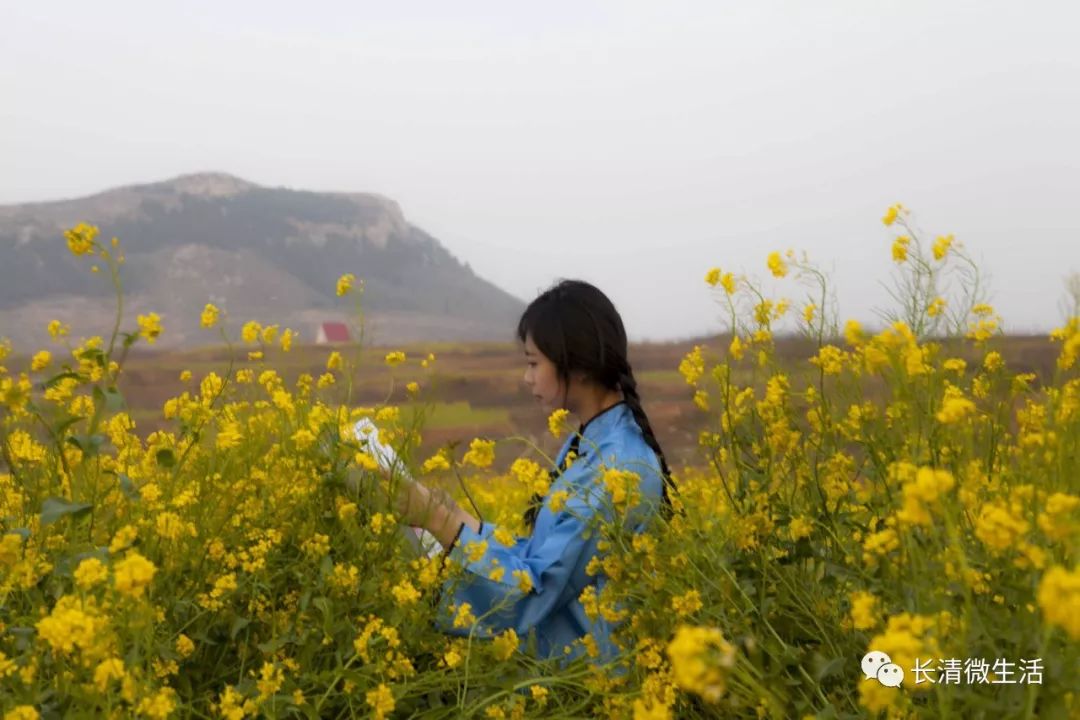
(878, 666)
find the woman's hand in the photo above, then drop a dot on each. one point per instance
(433, 509)
(415, 503)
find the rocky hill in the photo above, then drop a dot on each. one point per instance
(259, 253)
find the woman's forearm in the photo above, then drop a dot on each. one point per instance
(445, 520)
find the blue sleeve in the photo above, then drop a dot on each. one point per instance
(547, 562)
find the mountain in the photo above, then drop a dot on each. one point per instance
(259, 253)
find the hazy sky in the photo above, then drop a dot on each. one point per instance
(630, 144)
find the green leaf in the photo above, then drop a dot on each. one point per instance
(114, 400)
(66, 566)
(129, 488)
(99, 406)
(273, 645)
(323, 605)
(238, 624)
(55, 508)
(64, 424)
(55, 379)
(165, 458)
(823, 668)
(89, 444)
(24, 637)
(95, 354)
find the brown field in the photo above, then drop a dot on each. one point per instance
(477, 389)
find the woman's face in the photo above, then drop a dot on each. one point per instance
(542, 377)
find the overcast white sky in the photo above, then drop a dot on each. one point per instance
(630, 144)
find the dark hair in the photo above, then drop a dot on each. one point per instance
(578, 328)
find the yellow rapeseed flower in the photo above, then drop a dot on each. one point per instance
(853, 333)
(622, 485)
(505, 644)
(736, 349)
(464, 617)
(159, 705)
(184, 645)
(954, 406)
(395, 358)
(692, 366)
(993, 361)
(40, 361)
(701, 660)
(504, 537)
(1056, 518)
(452, 658)
(22, 712)
(123, 539)
(999, 526)
(891, 214)
(686, 604)
(474, 551)
(345, 283)
(864, 610)
(381, 701)
(90, 572)
(435, 463)
(900, 248)
(210, 316)
(150, 327)
(405, 593)
(524, 580)
(133, 574)
(57, 329)
(941, 246)
(800, 527)
(80, 239)
(1059, 599)
(557, 422)
(776, 264)
(712, 277)
(250, 332)
(108, 670)
(481, 453)
(539, 694)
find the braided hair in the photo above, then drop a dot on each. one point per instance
(578, 328)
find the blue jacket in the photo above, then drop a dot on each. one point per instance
(559, 549)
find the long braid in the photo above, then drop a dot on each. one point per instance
(629, 388)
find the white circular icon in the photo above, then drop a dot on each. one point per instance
(890, 675)
(872, 662)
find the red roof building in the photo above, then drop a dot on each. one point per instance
(332, 332)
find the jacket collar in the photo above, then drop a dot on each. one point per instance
(599, 425)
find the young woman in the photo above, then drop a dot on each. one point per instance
(576, 353)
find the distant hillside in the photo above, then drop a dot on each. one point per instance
(268, 254)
